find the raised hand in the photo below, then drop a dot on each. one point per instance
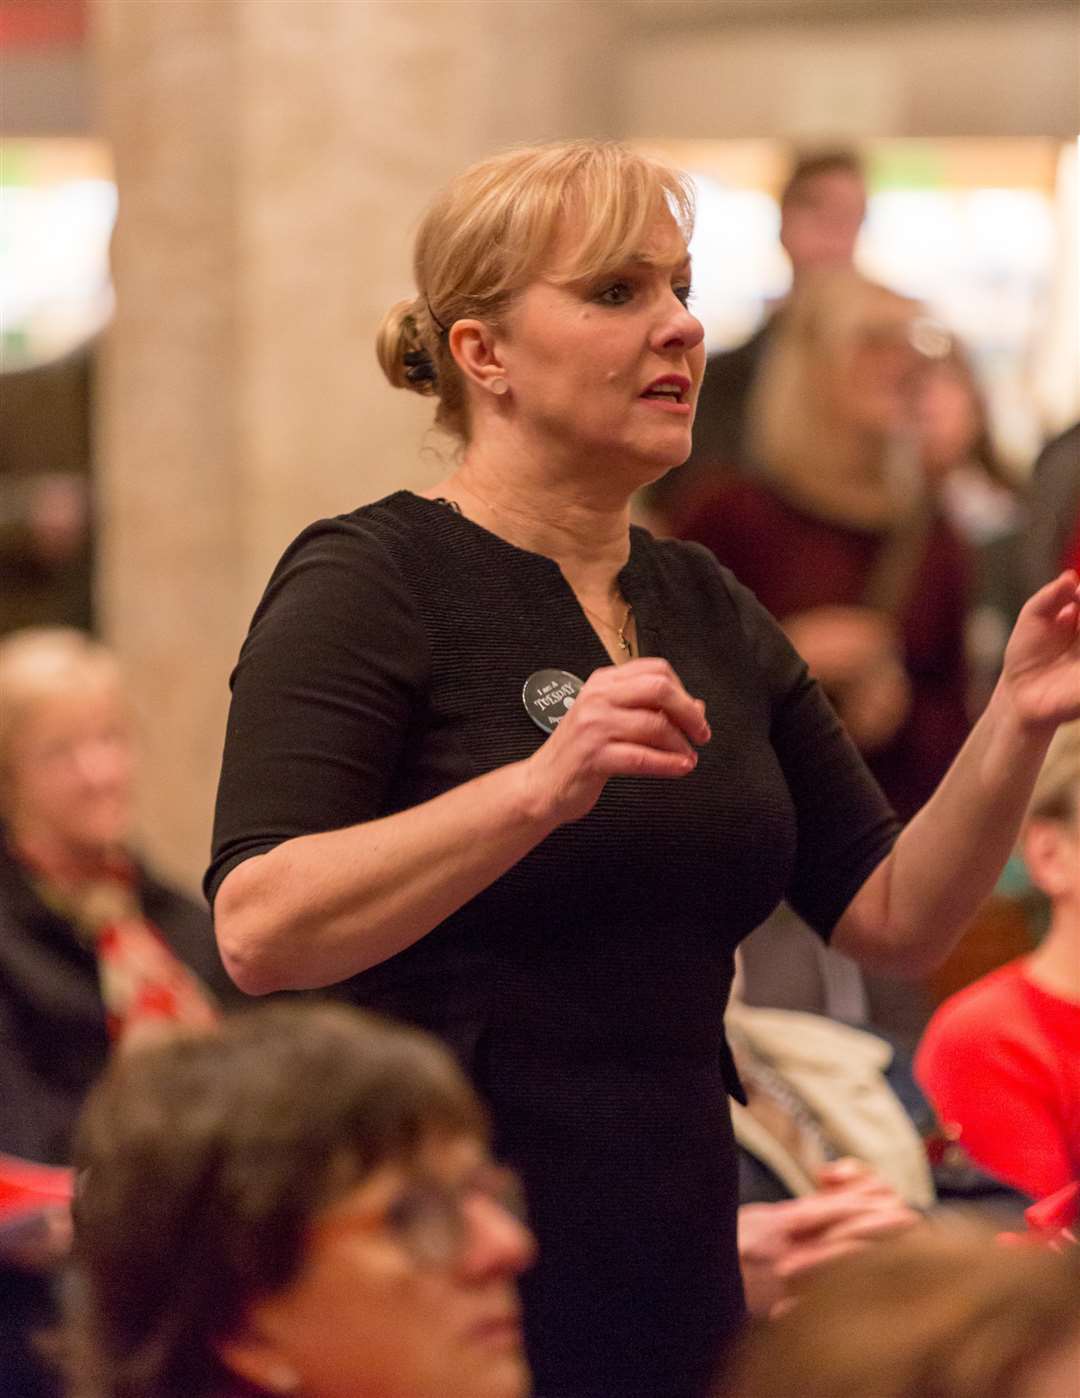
(629, 720)
(1041, 669)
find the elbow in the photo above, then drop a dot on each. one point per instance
(246, 936)
(901, 953)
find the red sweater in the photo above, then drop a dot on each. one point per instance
(1001, 1059)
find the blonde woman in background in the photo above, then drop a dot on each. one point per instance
(839, 536)
(93, 947)
(514, 771)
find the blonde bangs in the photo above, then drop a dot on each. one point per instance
(512, 211)
(1058, 784)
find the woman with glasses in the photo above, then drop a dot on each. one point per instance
(505, 767)
(298, 1202)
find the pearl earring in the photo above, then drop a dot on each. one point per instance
(498, 386)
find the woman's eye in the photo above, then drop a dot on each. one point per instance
(615, 295)
(684, 293)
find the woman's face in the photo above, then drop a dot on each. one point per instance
(69, 770)
(407, 1290)
(876, 381)
(607, 371)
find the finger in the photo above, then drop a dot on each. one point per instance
(650, 728)
(843, 1171)
(1049, 600)
(633, 760)
(819, 1213)
(666, 693)
(875, 1223)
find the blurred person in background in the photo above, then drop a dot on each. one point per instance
(1053, 534)
(979, 500)
(1000, 1060)
(93, 948)
(300, 1202)
(839, 536)
(822, 209)
(46, 534)
(942, 1313)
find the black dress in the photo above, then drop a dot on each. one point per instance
(585, 988)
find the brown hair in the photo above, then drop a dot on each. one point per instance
(943, 1313)
(203, 1159)
(494, 227)
(810, 165)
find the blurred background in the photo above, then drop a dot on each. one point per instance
(207, 205)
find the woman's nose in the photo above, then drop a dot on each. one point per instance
(101, 761)
(681, 329)
(498, 1242)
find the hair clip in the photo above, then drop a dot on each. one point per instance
(419, 367)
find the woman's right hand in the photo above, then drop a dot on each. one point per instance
(631, 720)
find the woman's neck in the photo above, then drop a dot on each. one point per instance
(585, 531)
(1055, 964)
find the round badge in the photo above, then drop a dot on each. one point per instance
(548, 696)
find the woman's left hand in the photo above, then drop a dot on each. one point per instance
(1041, 669)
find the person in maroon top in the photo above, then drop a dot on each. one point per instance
(840, 539)
(999, 1059)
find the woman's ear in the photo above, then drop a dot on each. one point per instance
(258, 1362)
(1051, 851)
(475, 350)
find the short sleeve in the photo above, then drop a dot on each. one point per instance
(845, 826)
(323, 694)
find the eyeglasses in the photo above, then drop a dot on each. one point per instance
(427, 1216)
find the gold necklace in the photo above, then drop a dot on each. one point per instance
(620, 630)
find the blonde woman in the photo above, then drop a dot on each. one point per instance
(93, 947)
(838, 536)
(504, 766)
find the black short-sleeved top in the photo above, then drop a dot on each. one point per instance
(585, 988)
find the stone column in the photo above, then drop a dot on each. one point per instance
(272, 158)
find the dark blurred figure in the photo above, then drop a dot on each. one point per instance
(980, 501)
(45, 522)
(1053, 536)
(822, 208)
(93, 949)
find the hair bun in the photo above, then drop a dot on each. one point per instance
(404, 358)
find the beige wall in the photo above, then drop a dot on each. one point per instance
(272, 158)
(993, 74)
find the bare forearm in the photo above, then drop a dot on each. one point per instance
(916, 904)
(320, 908)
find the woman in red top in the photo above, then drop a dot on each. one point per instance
(1000, 1057)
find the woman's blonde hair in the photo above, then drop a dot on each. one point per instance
(943, 1313)
(1057, 787)
(793, 426)
(39, 662)
(494, 228)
